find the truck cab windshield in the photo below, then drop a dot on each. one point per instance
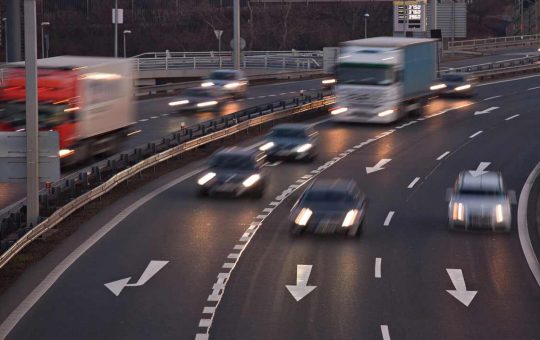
(50, 115)
(364, 74)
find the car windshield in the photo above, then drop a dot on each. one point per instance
(480, 191)
(233, 162)
(453, 78)
(197, 93)
(328, 196)
(222, 75)
(365, 74)
(50, 115)
(288, 133)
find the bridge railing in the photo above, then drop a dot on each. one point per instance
(489, 43)
(503, 64)
(212, 54)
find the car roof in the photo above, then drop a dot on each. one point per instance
(291, 126)
(343, 185)
(225, 71)
(489, 181)
(237, 151)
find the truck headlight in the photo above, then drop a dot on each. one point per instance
(207, 84)
(209, 103)
(206, 178)
(499, 213)
(251, 180)
(457, 213)
(303, 148)
(350, 218)
(63, 153)
(437, 87)
(179, 102)
(266, 146)
(303, 217)
(463, 87)
(328, 81)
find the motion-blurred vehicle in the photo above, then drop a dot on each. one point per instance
(380, 80)
(232, 82)
(291, 142)
(234, 172)
(87, 100)
(328, 207)
(328, 83)
(200, 99)
(479, 201)
(455, 85)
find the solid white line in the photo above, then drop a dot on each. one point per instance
(378, 261)
(11, 321)
(388, 218)
(413, 182)
(385, 332)
(512, 117)
(490, 98)
(443, 155)
(476, 134)
(523, 229)
(534, 88)
(507, 80)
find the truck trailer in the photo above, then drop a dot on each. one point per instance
(380, 80)
(89, 101)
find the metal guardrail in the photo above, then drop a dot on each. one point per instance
(76, 190)
(503, 64)
(212, 54)
(494, 42)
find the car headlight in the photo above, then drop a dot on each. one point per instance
(338, 110)
(303, 148)
(303, 217)
(463, 87)
(350, 218)
(179, 102)
(206, 178)
(385, 113)
(209, 103)
(232, 85)
(437, 87)
(499, 213)
(457, 213)
(251, 180)
(207, 84)
(267, 146)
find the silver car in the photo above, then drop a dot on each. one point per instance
(232, 82)
(329, 207)
(199, 99)
(456, 85)
(479, 201)
(291, 142)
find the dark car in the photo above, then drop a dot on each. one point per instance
(234, 172)
(200, 99)
(456, 85)
(292, 142)
(329, 207)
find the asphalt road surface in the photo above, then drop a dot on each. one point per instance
(181, 267)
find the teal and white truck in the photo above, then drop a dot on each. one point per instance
(380, 80)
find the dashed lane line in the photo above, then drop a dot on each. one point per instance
(388, 218)
(476, 134)
(494, 97)
(378, 262)
(385, 332)
(413, 182)
(443, 155)
(512, 117)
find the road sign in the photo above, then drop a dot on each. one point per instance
(218, 34)
(242, 44)
(13, 157)
(120, 16)
(410, 16)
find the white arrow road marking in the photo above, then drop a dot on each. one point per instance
(153, 267)
(461, 293)
(385, 332)
(480, 170)
(378, 166)
(486, 110)
(301, 289)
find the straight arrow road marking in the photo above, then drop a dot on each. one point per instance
(480, 170)
(152, 269)
(378, 166)
(460, 292)
(301, 289)
(486, 110)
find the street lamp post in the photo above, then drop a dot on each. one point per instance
(125, 33)
(366, 16)
(4, 20)
(43, 24)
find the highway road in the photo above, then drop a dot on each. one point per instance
(178, 266)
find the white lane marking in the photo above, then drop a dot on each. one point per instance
(267, 210)
(413, 182)
(460, 292)
(239, 246)
(533, 88)
(488, 110)
(475, 134)
(494, 97)
(272, 95)
(233, 256)
(143, 120)
(164, 114)
(11, 321)
(378, 261)
(283, 93)
(154, 117)
(205, 322)
(201, 336)
(250, 98)
(134, 133)
(384, 330)
(116, 287)
(260, 97)
(228, 265)
(261, 216)
(443, 155)
(209, 310)
(512, 117)
(388, 218)
(507, 80)
(274, 203)
(523, 229)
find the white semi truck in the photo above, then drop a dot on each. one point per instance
(380, 80)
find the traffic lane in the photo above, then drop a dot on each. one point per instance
(500, 55)
(225, 327)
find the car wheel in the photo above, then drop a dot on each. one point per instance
(202, 192)
(295, 231)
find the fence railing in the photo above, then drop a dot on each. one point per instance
(494, 42)
(80, 188)
(503, 64)
(212, 54)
